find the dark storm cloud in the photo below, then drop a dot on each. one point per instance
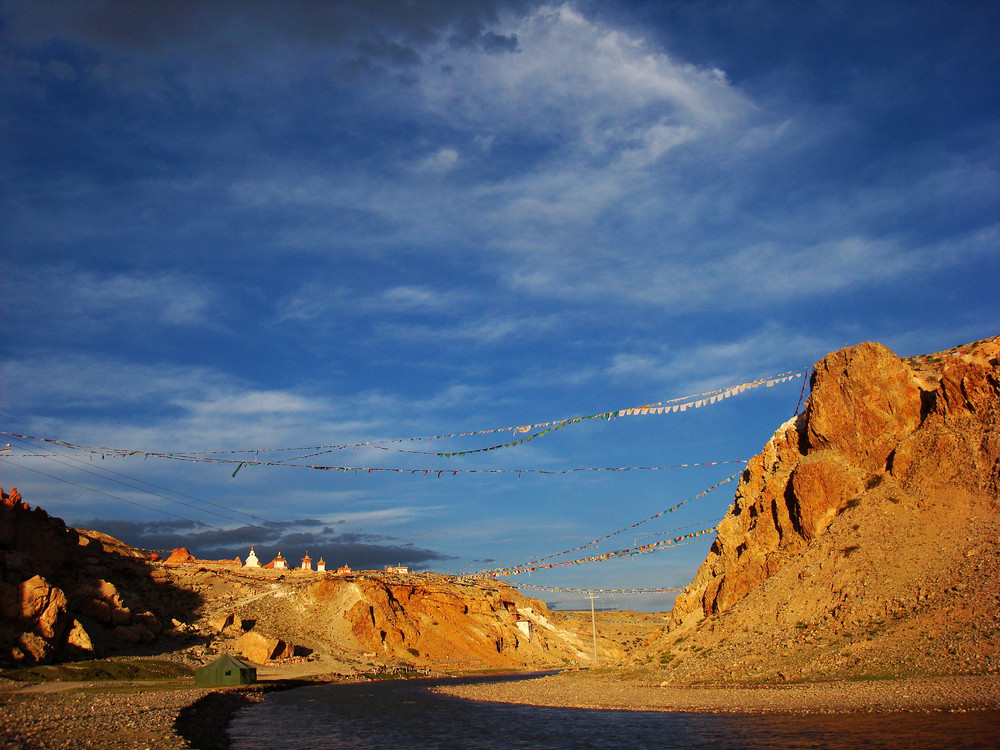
(389, 30)
(292, 538)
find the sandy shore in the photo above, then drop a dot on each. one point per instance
(580, 690)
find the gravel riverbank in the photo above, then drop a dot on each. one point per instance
(125, 717)
(579, 690)
(176, 716)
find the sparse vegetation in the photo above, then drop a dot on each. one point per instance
(101, 669)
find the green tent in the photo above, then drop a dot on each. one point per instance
(226, 670)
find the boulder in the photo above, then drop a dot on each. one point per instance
(96, 610)
(32, 647)
(43, 608)
(33, 596)
(107, 592)
(121, 616)
(133, 634)
(259, 648)
(149, 621)
(77, 639)
(227, 623)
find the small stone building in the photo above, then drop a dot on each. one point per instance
(307, 563)
(252, 561)
(321, 566)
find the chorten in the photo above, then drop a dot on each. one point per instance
(252, 561)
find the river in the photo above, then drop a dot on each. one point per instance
(405, 715)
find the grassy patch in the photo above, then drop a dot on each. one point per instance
(101, 670)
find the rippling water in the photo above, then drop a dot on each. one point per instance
(404, 715)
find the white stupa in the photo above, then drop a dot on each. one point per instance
(252, 561)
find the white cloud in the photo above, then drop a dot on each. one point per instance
(713, 363)
(442, 160)
(579, 80)
(85, 298)
(414, 298)
(767, 273)
(163, 407)
(386, 516)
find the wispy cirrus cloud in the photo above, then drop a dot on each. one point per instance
(78, 297)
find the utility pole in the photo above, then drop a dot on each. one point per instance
(593, 623)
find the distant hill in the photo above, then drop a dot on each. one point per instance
(67, 593)
(864, 539)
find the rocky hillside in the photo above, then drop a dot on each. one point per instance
(376, 619)
(864, 538)
(67, 593)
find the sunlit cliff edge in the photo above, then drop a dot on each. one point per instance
(863, 540)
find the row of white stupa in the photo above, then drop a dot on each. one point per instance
(280, 563)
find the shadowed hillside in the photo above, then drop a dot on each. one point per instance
(66, 593)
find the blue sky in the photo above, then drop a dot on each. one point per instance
(251, 225)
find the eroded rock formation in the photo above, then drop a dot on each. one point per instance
(927, 426)
(65, 592)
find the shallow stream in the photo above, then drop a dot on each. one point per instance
(405, 715)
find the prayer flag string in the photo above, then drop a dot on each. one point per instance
(528, 565)
(644, 549)
(562, 590)
(671, 406)
(438, 473)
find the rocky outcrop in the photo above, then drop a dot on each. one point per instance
(438, 621)
(67, 593)
(180, 557)
(874, 426)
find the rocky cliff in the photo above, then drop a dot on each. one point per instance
(868, 523)
(68, 593)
